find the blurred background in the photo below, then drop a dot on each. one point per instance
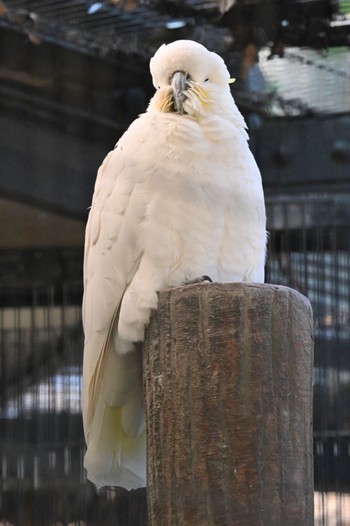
(73, 75)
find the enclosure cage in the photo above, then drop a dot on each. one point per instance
(42, 443)
(293, 86)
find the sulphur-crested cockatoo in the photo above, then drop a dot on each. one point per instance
(179, 197)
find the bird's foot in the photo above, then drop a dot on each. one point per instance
(201, 279)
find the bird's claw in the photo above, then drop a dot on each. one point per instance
(201, 279)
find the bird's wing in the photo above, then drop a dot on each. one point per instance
(113, 412)
(112, 256)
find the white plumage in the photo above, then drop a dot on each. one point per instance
(179, 197)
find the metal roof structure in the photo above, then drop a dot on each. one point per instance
(127, 33)
(137, 26)
(103, 28)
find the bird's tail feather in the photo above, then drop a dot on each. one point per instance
(116, 438)
(112, 457)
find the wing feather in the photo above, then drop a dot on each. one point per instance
(113, 407)
(112, 256)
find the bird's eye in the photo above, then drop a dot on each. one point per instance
(206, 79)
(158, 87)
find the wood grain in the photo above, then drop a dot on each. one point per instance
(228, 387)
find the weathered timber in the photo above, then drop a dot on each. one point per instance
(228, 388)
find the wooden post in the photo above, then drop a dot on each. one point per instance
(228, 388)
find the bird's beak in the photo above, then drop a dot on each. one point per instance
(179, 84)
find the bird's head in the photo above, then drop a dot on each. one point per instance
(187, 77)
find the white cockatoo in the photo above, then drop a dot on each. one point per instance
(179, 197)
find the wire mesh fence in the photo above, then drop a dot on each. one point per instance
(307, 80)
(310, 251)
(42, 445)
